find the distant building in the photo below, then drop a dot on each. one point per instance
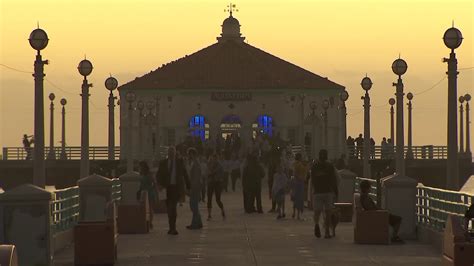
(234, 87)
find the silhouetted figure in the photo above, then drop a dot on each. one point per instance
(301, 170)
(324, 181)
(172, 176)
(147, 183)
(360, 147)
(341, 162)
(252, 180)
(372, 148)
(234, 170)
(27, 145)
(369, 205)
(195, 180)
(390, 149)
(214, 185)
(350, 147)
(469, 217)
(384, 147)
(280, 182)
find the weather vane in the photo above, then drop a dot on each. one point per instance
(230, 8)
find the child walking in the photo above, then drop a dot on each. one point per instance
(280, 181)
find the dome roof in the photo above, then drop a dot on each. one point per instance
(230, 21)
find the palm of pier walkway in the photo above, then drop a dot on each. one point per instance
(255, 239)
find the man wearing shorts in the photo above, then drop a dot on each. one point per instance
(324, 181)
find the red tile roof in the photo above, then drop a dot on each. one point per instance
(230, 65)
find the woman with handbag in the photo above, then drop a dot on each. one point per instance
(147, 183)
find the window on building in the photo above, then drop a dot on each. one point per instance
(198, 127)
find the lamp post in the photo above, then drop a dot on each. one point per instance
(399, 190)
(39, 40)
(467, 98)
(51, 153)
(156, 138)
(85, 68)
(150, 119)
(343, 97)
(130, 97)
(399, 67)
(325, 116)
(391, 101)
(111, 84)
(461, 125)
(302, 97)
(410, 149)
(63, 130)
(366, 84)
(140, 107)
(452, 39)
(313, 106)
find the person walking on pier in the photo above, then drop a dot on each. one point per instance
(300, 171)
(147, 184)
(280, 183)
(215, 181)
(27, 145)
(195, 178)
(324, 181)
(172, 176)
(360, 147)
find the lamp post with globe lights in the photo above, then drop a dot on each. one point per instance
(461, 125)
(399, 67)
(366, 84)
(39, 40)
(51, 153)
(391, 101)
(111, 84)
(85, 69)
(399, 191)
(130, 98)
(63, 130)
(150, 120)
(452, 39)
(325, 120)
(343, 97)
(140, 107)
(467, 98)
(410, 128)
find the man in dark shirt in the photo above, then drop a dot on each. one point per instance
(324, 181)
(369, 205)
(173, 176)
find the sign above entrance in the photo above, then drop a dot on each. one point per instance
(231, 96)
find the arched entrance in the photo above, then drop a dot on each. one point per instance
(199, 127)
(264, 125)
(230, 124)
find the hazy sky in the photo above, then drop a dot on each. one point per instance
(342, 40)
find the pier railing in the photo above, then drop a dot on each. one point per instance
(71, 153)
(65, 206)
(434, 205)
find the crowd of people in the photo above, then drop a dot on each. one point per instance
(355, 147)
(197, 169)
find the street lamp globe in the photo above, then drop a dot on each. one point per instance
(452, 38)
(140, 105)
(85, 67)
(344, 96)
(461, 99)
(399, 67)
(391, 101)
(111, 83)
(38, 39)
(410, 96)
(63, 101)
(150, 105)
(467, 97)
(130, 97)
(52, 96)
(366, 83)
(325, 104)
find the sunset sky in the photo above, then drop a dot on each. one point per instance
(341, 40)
